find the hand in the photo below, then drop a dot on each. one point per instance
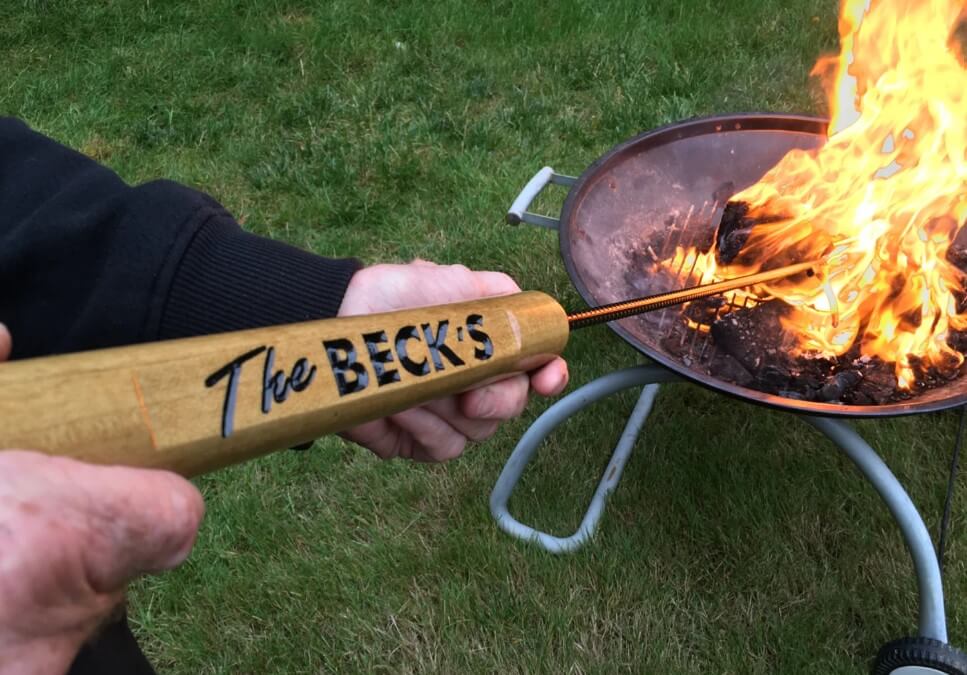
(71, 537)
(439, 430)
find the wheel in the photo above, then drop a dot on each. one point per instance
(919, 656)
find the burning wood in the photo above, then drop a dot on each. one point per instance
(884, 201)
(734, 230)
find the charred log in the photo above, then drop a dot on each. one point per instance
(840, 385)
(733, 231)
(704, 310)
(877, 386)
(752, 336)
(729, 369)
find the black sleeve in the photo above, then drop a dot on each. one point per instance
(87, 261)
(114, 651)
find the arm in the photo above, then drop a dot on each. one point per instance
(87, 261)
(94, 263)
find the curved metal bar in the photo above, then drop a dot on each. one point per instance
(932, 619)
(518, 213)
(603, 387)
(933, 622)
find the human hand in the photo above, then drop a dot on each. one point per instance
(71, 537)
(439, 430)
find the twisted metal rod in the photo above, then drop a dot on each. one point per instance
(620, 310)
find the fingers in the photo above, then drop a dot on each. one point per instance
(416, 434)
(495, 283)
(551, 378)
(481, 284)
(71, 536)
(434, 439)
(383, 288)
(456, 283)
(381, 436)
(501, 400)
(507, 399)
(439, 430)
(434, 433)
(6, 343)
(473, 427)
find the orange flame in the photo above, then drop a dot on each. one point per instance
(882, 200)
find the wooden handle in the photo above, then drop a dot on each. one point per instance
(197, 404)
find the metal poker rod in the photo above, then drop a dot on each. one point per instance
(620, 310)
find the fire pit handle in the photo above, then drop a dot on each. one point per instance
(518, 212)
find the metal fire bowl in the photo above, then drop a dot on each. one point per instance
(661, 187)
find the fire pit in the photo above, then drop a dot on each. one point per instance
(622, 222)
(875, 200)
(665, 190)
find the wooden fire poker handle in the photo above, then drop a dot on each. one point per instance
(197, 404)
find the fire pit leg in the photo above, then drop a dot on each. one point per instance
(933, 622)
(605, 386)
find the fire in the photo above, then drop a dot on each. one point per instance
(881, 201)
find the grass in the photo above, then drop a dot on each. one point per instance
(738, 541)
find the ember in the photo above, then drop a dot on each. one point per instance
(882, 201)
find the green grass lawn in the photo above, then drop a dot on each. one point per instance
(739, 541)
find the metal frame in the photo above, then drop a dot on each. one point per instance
(550, 420)
(932, 620)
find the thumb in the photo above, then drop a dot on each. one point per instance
(148, 520)
(5, 343)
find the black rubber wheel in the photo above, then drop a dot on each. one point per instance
(920, 651)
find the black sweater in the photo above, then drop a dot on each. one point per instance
(87, 261)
